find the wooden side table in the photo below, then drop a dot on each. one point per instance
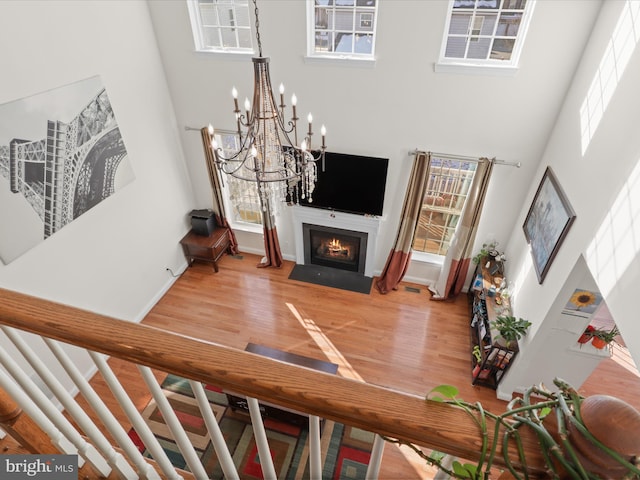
(207, 249)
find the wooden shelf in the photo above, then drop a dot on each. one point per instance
(496, 358)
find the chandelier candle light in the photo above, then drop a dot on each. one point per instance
(267, 155)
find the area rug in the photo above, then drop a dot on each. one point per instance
(332, 277)
(345, 450)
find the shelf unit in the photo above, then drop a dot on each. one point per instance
(495, 356)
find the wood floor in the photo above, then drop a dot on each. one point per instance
(401, 340)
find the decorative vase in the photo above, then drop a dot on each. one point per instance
(598, 343)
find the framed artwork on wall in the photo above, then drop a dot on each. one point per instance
(547, 224)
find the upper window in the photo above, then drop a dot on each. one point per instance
(221, 25)
(485, 32)
(445, 195)
(342, 28)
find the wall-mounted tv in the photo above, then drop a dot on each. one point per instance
(350, 183)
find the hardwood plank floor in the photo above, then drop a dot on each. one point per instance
(400, 340)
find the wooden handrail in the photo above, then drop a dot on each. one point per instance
(373, 408)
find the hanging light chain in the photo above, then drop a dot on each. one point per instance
(255, 3)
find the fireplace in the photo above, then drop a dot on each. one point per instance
(364, 227)
(334, 247)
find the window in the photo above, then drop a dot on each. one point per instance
(242, 199)
(342, 28)
(221, 25)
(447, 190)
(485, 32)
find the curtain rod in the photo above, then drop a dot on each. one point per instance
(470, 159)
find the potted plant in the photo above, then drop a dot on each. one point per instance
(487, 250)
(601, 338)
(510, 329)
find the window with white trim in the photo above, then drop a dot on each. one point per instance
(241, 197)
(342, 28)
(485, 32)
(221, 25)
(447, 190)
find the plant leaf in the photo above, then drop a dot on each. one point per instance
(447, 391)
(467, 470)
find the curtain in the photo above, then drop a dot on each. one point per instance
(216, 189)
(456, 263)
(272, 253)
(398, 259)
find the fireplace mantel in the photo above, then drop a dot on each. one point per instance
(346, 221)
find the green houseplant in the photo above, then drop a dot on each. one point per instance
(601, 338)
(510, 328)
(488, 249)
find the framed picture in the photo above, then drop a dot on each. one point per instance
(548, 221)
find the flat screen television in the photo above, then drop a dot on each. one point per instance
(350, 183)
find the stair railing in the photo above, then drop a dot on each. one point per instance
(372, 408)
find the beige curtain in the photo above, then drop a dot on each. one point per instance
(272, 253)
(456, 263)
(216, 189)
(398, 260)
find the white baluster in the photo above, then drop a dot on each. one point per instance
(373, 469)
(219, 443)
(138, 423)
(315, 462)
(259, 433)
(85, 449)
(116, 460)
(31, 409)
(179, 435)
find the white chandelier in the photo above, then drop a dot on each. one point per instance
(266, 154)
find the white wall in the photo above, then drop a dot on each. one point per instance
(604, 191)
(391, 108)
(113, 259)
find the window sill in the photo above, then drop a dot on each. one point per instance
(230, 55)
(246, 227)
(429, 258)
(341, 60)
(471, 69)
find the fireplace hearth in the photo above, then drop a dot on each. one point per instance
(334, 247)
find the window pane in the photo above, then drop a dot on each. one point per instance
(364, 43)
(344, 19)
(344, 42)
(228, 37)
(322, 18)
(211, 36)
(209, 15)
(509, 24)
(245, 38)
(447, 190)
(514, 4)
(323, 42)
(459, 23)
(366, 3)
(502, 48)
(464, 4)
(456, 47)
(479, 48)
(365, 21)
(488, 3)
(488, 23)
